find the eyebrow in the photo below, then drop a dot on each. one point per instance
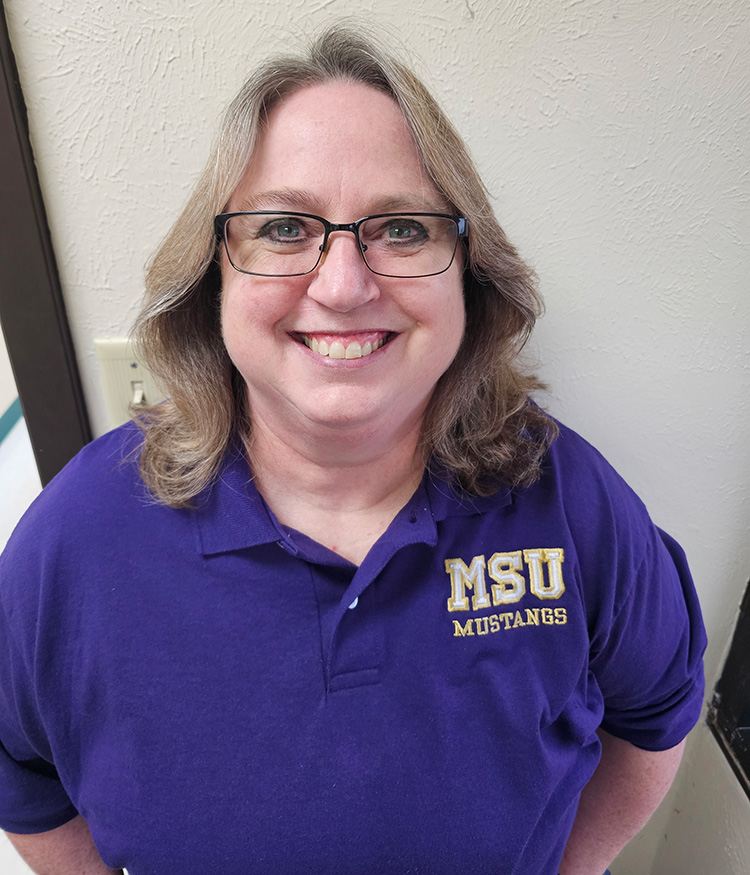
(305, 202)
(408, 203)
(291, 198)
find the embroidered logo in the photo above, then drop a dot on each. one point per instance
(536, 572)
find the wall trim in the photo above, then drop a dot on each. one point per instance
(32, 310)
(9, 419)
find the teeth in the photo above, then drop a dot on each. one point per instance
(337, 350)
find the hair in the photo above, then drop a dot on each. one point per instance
(480, 429)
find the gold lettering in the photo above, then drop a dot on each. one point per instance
(553, 559)
(532, 616)
(494, 623)
(506, 618)
(561, 616)
(461, 577)
(460, 631)
(481, 625)
(547, 616)
(510, 586)
(518, 620)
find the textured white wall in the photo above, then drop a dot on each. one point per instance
(614, 136)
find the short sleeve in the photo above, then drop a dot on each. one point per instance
(649, 664)
(32, 798)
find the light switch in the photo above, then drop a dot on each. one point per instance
(126, 381)
(138, 394)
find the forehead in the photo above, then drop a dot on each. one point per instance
(337, 146)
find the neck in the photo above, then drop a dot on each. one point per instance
(341, 490)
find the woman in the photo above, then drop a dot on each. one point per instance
(473, 651)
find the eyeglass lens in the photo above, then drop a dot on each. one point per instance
(277, 244)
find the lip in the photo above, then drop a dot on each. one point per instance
(343, 346)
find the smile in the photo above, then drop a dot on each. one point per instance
(338, 347)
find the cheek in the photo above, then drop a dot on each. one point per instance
(248, 306)
(233, 317)
(453, 324)
(443, 340)
(242, 319)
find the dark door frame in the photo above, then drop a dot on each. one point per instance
(32, 310)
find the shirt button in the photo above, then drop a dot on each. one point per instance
(354, 604)
(289, 547)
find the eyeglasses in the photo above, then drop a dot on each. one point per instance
(292, 244)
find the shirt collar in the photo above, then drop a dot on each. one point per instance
(232, 515)
(449, 502)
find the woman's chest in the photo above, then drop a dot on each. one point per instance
(279, 713)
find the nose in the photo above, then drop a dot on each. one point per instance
(342, 281)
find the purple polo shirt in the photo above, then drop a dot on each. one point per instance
(216, 693)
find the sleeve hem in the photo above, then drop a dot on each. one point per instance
(45, 824)
(650, 741)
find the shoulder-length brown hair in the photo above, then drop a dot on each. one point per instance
(480, 426)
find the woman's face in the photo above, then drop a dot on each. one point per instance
(341, 151)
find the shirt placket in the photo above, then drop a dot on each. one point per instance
(354, 647)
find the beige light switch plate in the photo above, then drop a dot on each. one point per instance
(124, 378)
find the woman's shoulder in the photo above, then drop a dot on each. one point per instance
(102, 464)
(580, 474)
(102, 477)
(573, 475)
(105, 453)
(609, 525)
(579, 493)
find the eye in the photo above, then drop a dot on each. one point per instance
(400, 232)
(283, 229)
(392, 231)
(405, 229)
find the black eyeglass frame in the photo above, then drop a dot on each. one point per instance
(220, 222)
